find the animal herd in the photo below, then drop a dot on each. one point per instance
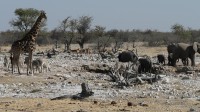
(39, 64)
(27, 44)
(182, 51)
(176, 51)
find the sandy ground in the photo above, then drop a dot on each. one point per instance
(68, 105)
(22, 93)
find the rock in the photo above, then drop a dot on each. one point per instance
(190, 72)
(165, 80)
(171, 97)
(184, 69)
(143, 104)
(81, 110)
(95, 102)
(186, 78)
(130, 104)
(192, 110)
(170, 69)
(113, 103)
(198, 74)
(39, 105)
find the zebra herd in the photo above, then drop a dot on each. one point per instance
(39, 64)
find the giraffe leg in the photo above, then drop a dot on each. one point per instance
(16, 61)
(27, 70)
(12, 64)
(28, 67)
(30, 62)
(18, 66)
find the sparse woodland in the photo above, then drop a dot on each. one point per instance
(82, 30)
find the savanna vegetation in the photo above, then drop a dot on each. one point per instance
(81, 30)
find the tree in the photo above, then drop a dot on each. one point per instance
(25, 19)
(84, 24)
(112, 33)
(180, 31)
(99, 32)
(117, 40)
(68, 28)
(71, 33)
(63, 27)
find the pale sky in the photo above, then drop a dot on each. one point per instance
(113, 14)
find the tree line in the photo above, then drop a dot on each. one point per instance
(79, 30)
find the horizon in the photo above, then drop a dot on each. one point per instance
(113, 14)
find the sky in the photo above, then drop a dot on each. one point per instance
(113, 14)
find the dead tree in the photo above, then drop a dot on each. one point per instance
(86, 91)
(117, 46)
(122, 73)
(126, 74)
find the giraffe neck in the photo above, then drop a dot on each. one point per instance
(32, 34)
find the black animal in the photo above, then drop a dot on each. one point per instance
(171, 61)
(183, 51)
(49, 55)
(145, 65)
(127, 56)
(185, 61)
(161, 58)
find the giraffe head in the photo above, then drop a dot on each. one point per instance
(43, 14)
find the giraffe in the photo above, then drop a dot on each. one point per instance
(26, 45)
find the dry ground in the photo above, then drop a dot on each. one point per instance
(41, 104)
(68, 105)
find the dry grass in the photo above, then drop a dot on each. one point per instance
(141, 50)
